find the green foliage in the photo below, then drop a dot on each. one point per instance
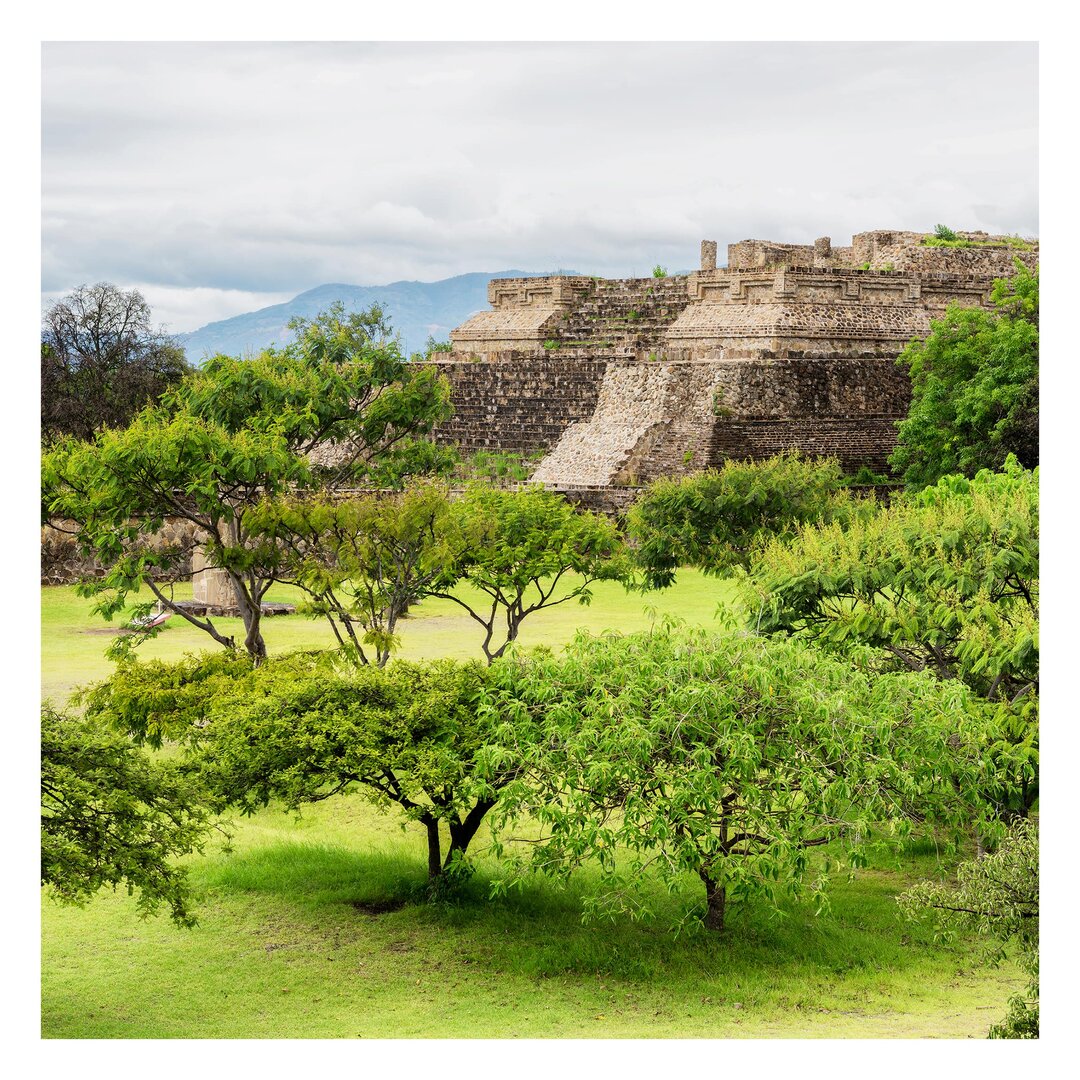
(715, 519)
(519, 549)
(996, 895)
(659, 271)
(230, 436)
(975, 387)
(363, 561)
(866, 477)
(434, 346)
(945, 581)
(726, 758)
(496, 465)
(112, 816)
(952, 240)
(551, 344)
(159, 701)
(300, 731)
(943, 232)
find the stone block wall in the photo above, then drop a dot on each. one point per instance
(855, 441)
(520, 403)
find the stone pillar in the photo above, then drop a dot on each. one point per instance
(822, 250)
(708, 255)
(209, 584)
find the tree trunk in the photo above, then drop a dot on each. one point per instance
(434, 861)
(251, 613)
(715, 900)
(461, 833)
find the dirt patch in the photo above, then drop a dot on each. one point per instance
(380, 906)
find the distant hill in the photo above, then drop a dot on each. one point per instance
(417, 309)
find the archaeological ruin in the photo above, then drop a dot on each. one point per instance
(617, 382)
(613, 383)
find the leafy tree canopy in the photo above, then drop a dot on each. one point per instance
(975, 387)
(714, 519)
(303, 728)
(228, 437)
(112, 816)
(102, 360)
(363, 561)
(727, 758)
(945, 581)
(521, 550)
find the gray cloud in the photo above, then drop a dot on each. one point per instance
(236, 171)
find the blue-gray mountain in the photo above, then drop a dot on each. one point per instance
(417, 309)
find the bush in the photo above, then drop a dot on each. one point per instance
(997, 896)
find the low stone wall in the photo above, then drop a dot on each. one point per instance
(62, 563)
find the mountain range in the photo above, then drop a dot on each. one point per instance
(417, 310)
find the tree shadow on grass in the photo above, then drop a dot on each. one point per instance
(537, 931)
(317, 875)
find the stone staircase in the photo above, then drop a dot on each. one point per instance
(622, 318)
(649, 420)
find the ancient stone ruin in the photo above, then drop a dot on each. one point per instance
(789, 346)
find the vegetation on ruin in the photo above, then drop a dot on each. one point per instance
(975, 387)
(499, 466)
(945, 237)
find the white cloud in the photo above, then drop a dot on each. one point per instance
(207, 171)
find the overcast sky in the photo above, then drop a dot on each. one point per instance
(221, 178)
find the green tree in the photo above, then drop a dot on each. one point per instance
(997, 896)
(112, 816)
(363, 561)
(228, 437)
(102, 360)
(725, 758)
(945, 581)
(522, 551)
(975, 387)
(714, 519)
(404, 735)
(304, 727)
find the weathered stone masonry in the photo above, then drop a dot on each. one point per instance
(787, 347)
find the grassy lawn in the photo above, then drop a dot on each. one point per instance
(74, 640)
(310, 929)
(310, 926)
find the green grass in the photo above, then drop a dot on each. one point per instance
(74, 640)
(314, 927)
